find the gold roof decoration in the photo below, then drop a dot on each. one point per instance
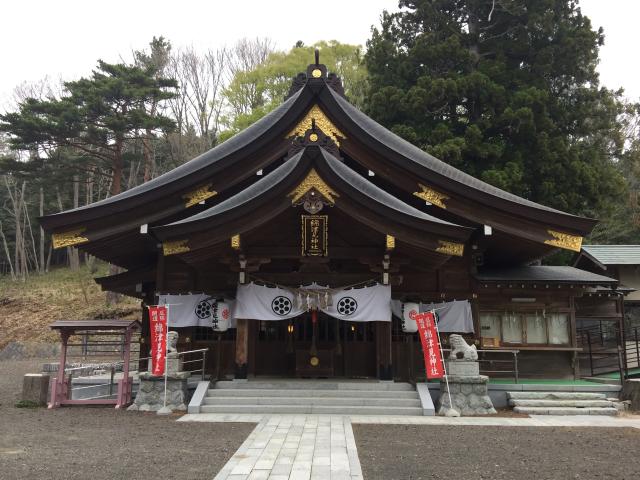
(564, 240)
(431, 196)
(175, 246)
(391, 242)
(235, 242)
(199, 194)
(322, 122)
(450, 248)
(68, 239)
(313, 181)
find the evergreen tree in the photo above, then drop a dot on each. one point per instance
(95, 116)
(506, 90)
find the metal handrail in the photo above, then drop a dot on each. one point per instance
(514, 352)
(202, 360)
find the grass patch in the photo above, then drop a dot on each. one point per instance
(26, 404)
(28, 307)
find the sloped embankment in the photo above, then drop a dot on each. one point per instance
(28, 307)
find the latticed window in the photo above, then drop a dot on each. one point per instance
(522, 328)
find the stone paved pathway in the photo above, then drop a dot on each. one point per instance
(310, 447)
(532, 421)
(296, 447)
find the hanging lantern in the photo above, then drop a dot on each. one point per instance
(409, 310)
(220, 316)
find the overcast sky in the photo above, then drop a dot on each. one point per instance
(64, 38)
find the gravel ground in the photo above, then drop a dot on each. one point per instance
(102, 443)
(412, 452)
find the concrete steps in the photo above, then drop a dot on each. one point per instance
(314, 385)
(566, 411)
(246, 392)
(312, 397)
(563, 403)
(307, 400)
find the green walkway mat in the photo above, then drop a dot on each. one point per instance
(616, 375)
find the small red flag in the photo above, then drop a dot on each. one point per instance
(158, 329)
(426, 323)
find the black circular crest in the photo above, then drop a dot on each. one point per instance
(203, 309)
(347, 306)
(281, 305)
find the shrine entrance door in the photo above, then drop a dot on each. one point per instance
(330, 348)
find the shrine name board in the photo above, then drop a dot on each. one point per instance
(315, 235)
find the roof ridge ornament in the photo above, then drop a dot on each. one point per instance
(69, 238)
(432, 196)
(175, 246)
(316, 119)
(450, 248)
(564, 240)
(316, 138)
(313, 193)
(198, 195)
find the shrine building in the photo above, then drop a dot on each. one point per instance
(328, 225)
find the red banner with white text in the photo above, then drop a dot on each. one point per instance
(158, 329)
(426, 323)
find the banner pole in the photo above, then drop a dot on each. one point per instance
(166, 360)
(444, 364)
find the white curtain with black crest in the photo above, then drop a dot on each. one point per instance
(364, 304)
(199, 310)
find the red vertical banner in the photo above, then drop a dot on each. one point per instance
(426, 323)
(158, 329)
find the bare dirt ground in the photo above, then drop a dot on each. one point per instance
(102, 443)
(413, 452)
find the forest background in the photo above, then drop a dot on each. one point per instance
(506, 90)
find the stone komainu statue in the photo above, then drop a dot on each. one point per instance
(460, 350)
(172, 342)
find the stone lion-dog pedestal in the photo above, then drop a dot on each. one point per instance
(150, 397)
(468, 389)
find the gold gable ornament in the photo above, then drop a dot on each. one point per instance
(235, 242)
(313, 181)
(391, 242)
(431, 196)
(321, 121)
(199, 195)
(174, 247)
(564, 240)
(450, 248)
(68, 239)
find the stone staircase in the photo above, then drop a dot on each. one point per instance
(312, 396)
(563, 403)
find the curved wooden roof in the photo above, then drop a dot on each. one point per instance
(224, 179)
(270, 196)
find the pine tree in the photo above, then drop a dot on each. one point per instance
(95, 116)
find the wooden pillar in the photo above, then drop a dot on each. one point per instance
(242, 348)
(145, 333)
(59, 387)
(383, 350)
(126, 382)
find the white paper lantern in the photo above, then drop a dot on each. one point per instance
(220, 316)
(409, 310)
